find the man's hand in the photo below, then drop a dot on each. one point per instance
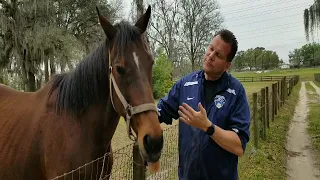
(194, 118)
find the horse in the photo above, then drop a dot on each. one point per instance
(71, 120)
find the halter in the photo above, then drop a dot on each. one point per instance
(130, 110)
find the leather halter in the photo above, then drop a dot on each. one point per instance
(130, 110)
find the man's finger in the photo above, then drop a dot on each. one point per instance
(184, 120)
(185, 111)
(201, 108)
(183, 115)
(185, 105)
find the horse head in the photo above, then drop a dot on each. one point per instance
(130, 79)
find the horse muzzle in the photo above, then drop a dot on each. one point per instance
(153, 147)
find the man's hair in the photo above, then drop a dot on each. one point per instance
(229, 38)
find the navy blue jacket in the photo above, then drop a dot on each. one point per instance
(199, 156)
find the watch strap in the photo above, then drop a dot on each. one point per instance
(210, 130)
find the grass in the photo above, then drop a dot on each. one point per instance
(306, 74)
(252, 87)
(268, 162)
(314, 120)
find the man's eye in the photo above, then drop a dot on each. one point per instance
(120, 70)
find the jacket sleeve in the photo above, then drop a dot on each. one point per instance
(240, 118)
(169, 105)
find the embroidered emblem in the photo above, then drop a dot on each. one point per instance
(190, 98)
(231, 91)
(219, 101)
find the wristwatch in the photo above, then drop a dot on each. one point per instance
(210, 130)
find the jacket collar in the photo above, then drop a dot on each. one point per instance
(223, 84)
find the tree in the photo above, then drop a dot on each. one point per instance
(46, 33)
(161, 75)
(165, 26)
(257, 58)
(199, 19)
(295, 58)
(311, 18)
(308, 55)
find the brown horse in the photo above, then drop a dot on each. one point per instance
(70, 121)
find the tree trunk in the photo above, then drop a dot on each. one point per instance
(46, 70)
(1, 77)
(52, 67)
(31, 82)
(39, 82)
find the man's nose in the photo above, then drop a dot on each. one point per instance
(211, 56)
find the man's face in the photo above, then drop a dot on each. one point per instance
(215, 59)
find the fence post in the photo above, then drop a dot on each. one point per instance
(263, 113)
(290, 85)
(273, 101)
(278, 94)
(255, 119)
(285, 92)
(139, 168)
(277, 98)
(282, 91)
(267, 106)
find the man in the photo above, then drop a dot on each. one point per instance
(214, 115)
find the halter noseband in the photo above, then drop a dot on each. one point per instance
(130, 110)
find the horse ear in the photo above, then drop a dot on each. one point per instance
(143, 21)
(107, 27)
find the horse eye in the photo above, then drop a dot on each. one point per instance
(120, 70)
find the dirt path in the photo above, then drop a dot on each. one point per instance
(315, 87)
(300, 163)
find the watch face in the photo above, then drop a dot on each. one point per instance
(210, 130)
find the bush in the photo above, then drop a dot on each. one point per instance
(162, 79)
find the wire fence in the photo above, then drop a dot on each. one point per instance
(128, 164)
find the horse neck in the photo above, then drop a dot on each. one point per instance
(85, 87)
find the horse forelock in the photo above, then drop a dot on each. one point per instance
(126, 36)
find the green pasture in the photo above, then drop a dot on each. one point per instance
(306, 74)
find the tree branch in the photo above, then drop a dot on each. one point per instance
(5, 4)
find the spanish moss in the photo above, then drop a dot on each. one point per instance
(311, 18)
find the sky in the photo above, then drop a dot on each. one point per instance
(276, 25)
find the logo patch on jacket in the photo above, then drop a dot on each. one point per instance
(219, 101)
(231, 91)
(190, 83)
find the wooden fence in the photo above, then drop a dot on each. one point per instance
(317, 77)
(262, 78)
(264, 105)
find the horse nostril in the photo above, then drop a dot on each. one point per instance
(153, 145)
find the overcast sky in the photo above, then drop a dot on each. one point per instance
(274, 24)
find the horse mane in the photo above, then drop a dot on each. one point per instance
(88, 84)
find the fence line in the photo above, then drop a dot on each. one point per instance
(317, 77)
(265, 105)
(262, 78)
(261, 111)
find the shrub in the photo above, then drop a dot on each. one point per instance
(162, 78)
